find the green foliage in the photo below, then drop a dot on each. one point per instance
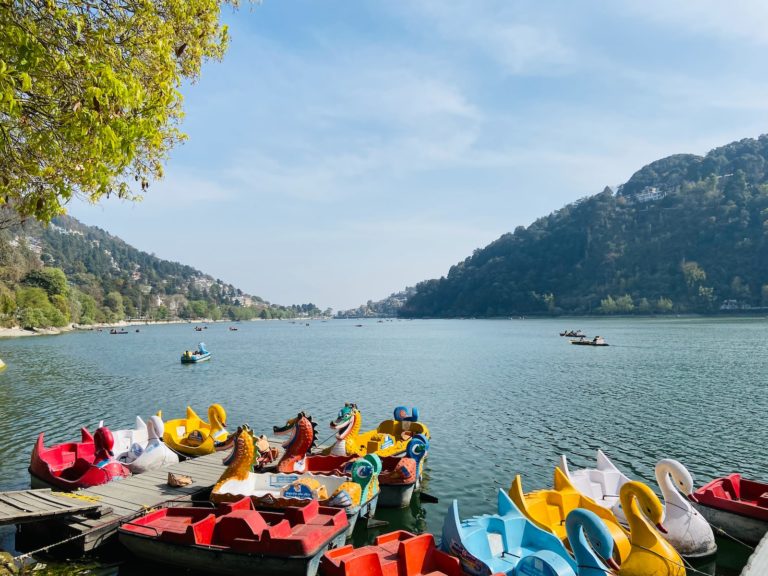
(89, 94)
(52, 280)
(685, 229)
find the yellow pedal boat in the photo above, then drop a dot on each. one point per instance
(548, 509)
(195, 437)
(390, 438)
(651, 554)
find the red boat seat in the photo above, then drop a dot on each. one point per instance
(76, 470)
(183, 528)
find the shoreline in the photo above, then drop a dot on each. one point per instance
(18, 332)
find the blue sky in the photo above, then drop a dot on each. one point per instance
(345, 149)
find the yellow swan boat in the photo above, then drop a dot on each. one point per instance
(548, 509)
(193, 436)
(390, 438)
(651, 554)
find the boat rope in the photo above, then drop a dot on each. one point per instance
(685, 565)
(732, 537)
(21, 557)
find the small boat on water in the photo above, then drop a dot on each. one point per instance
(398, 553)
(584, 341)
(196, 356)
(236, 538)
(2, 364)
(193, 436)
(573, 334)
(356, 495)
(389, 438)
(73, 465)
(508, 543)
(737, 506)
(399, 477)
(142, 449)
(232, 329)
(113, 331)
(687, 529)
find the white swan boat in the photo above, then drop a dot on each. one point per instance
(687, 530)
(141, 449)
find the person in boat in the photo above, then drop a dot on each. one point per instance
(595, 339)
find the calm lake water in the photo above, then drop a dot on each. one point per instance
(500, 397)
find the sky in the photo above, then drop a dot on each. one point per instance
(346, 149)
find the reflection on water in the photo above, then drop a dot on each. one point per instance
(500, 397)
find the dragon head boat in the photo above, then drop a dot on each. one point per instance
(509, 543)
(195, 437)
(357, 495)
(399, 478)
(73, 465)
(390, 438)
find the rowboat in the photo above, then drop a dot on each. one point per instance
(509, 543)
(235, 538)
(737, 506)
(687, 529)
(398, 553)
(74, 465)
(584, 341)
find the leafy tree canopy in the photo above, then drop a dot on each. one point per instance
(89, 94)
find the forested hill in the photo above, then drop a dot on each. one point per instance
(684, 234)
(70, 272)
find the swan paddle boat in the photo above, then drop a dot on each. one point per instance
(237, 539)
(194, 437)
(196, 356)
(651, 554)
(357, 495)
(548, 509)
(399, 478)
(687, 530)
(398, 553)
(737, 506)
(149, 455)
(390, 438)
(509, 543)
(74, 465)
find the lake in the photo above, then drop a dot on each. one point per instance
(501, 397)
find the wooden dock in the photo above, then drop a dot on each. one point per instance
(121, 501)
(21, 506)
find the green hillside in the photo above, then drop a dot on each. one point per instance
(70, 272)
(684, 234)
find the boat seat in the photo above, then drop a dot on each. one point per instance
(239, 524)
(302, 514)
(185, 529)
(67, 461)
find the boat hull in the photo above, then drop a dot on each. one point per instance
(213, 560)
(396, 495)
(744, 528)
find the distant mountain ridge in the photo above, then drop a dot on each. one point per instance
(109, 280)
(685, 233)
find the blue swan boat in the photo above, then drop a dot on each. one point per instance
(508, 543)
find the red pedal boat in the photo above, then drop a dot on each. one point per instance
(234, 538)
(398, 553)
(737, 506)
(74, 465)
